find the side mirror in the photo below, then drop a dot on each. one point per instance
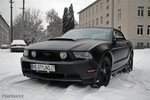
(119, 38)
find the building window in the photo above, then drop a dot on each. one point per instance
(140, 30)
(149, 11)
(101, 5)
(97, 9)
(83, 15)
(89, 24)
(107, 7)
(93, 10)
(86, 14)
(107, 15)
(101, 20)
(119, 13)
(140, 45)
(89, 13)
(107, 0)
(140, 11)
(97, 21)
(119, 28)
(80, 16)
(107, 22)
(148, 45)
(148, 30)
(93, 23)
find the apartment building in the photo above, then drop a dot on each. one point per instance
(132, 17)
(4, 32)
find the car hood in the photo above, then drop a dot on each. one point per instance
(65, 45)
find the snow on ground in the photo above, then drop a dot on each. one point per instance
(124, 86)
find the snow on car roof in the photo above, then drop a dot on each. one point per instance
(18, 42)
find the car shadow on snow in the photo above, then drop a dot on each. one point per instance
(60, 84)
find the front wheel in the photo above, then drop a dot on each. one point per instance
(129, 65)
(104, 73)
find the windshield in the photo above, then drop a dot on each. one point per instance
(89, 33)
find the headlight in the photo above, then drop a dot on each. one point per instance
(26, 53)
(83, 55)
(63, 55)
(33, 53)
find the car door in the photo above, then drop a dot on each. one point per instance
(120, 49)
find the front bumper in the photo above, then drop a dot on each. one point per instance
(73, 71)
(17, 49)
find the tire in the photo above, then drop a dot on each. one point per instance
(104, 73)
(129, 65)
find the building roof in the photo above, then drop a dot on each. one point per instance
(88, 6)
(4, 20)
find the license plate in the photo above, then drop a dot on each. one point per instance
(42, 67)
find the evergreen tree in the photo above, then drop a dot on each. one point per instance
(65, 21)
(71, 18)
(68, 19)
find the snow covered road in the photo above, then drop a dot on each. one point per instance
(124, 86)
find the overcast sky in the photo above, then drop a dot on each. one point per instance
(43, 5)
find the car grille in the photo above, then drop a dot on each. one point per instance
(48, 56)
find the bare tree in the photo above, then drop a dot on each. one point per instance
(55, 24)
(32, 30)
(51, 16)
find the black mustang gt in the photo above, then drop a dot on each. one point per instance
(86, 55)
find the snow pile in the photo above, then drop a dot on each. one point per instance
(124, 86)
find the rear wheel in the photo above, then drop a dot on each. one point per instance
(129, 65)
(104, 73)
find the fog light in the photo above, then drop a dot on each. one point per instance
(33, 53)
(63, 55)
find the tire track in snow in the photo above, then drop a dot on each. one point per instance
(2, 74)
(9, 78)
(76, 92)
(52, 90)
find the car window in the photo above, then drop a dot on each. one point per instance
(118, 35)
(92, 33)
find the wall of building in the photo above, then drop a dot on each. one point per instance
(135, 20)
(97, 15)
(123, 15)
(4, 32)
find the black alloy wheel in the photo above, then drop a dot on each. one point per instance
(104, 73)
(129, 65)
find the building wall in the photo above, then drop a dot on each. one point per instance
(123, 15)
(4, 32)
(135, 20)
(96, 15)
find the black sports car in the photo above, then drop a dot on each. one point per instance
(87, 55)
